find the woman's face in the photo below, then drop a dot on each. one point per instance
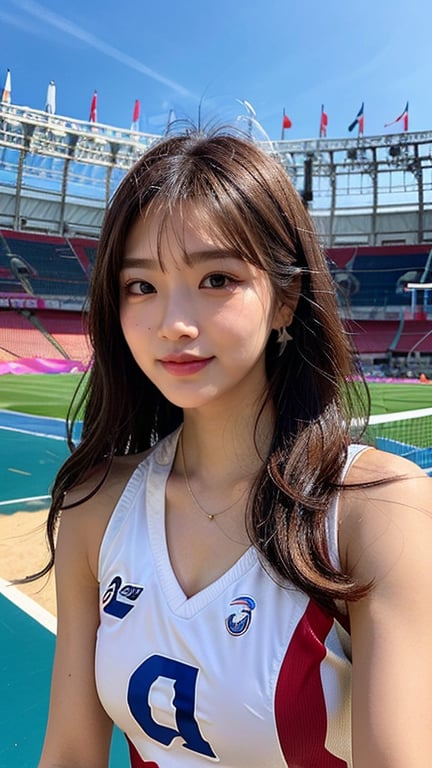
(196, 326)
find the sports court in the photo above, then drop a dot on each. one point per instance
(32, 448)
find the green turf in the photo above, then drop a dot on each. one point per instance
(391, 398)
(50, 395)
(39, 394)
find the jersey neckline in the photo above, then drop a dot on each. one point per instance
(161, 461)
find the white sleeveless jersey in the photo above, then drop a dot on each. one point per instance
(245, 673)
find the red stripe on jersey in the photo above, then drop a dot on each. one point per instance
(300, 708)
(136, 759)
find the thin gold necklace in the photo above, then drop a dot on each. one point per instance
(209, 515)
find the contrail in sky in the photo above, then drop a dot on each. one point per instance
(69, 28)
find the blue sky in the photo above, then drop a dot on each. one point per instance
(176, 54)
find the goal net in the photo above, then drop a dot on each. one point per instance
(407, 433)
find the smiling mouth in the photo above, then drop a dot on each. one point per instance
(183, 365)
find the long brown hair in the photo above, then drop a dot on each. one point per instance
(247, 199)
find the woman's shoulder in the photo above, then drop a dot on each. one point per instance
(98, 494)
(104, 484)
(386, 499)
(370, 465)
(89, 505)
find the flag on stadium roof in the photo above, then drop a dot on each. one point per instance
(6, 94)
(403, 116)
(323, 122)
(136, 116)
(359, 120)
(93, 109)
(286, 123)
(50, 105)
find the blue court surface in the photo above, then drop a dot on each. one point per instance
(31, 450)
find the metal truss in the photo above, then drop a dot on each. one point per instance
(372, 174)
(66, 161)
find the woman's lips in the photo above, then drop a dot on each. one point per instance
(184, 365)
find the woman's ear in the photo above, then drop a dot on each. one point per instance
(285, 311)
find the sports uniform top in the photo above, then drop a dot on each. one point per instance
(244, 673)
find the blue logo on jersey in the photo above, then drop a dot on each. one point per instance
(238, 622)
(118, 607)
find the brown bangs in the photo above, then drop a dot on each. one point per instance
(225, 190)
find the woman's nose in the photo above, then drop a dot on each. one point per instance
(178, 318)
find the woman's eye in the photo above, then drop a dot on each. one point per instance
(218, 280)
(139, 288)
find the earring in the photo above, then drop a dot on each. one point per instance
(282, 340)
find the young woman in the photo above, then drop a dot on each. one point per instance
(222, 544)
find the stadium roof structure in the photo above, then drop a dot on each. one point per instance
(57, 175)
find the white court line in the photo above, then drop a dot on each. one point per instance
(28, 605)
(19, 501)
(30, 415)
(31, 432)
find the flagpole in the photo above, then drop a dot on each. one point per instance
(93, 108)
(50, 105)
(361, 122)
(283, 125)
(321, 131)
(7, 90)
(136, 115)
(405, 118)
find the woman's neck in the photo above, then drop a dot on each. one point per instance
(231, 447)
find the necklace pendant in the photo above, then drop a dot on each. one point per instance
(210, 517)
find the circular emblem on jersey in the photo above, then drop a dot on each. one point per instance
(239, 621)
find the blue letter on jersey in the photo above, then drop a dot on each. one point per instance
(184, 677)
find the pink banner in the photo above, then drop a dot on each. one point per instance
(41, 365)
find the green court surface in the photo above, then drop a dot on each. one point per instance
(389, 397)
(41, 394)
(50, 395)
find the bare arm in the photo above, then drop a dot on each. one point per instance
(78, 732)
(386, 535)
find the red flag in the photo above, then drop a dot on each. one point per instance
(6, 94)
(136, 116)
(136, 111)
(93, 109)
(286, 122)
(323, 123)
(403, 116)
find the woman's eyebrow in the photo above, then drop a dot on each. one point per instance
(192, 258)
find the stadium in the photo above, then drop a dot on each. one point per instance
(371, 200)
